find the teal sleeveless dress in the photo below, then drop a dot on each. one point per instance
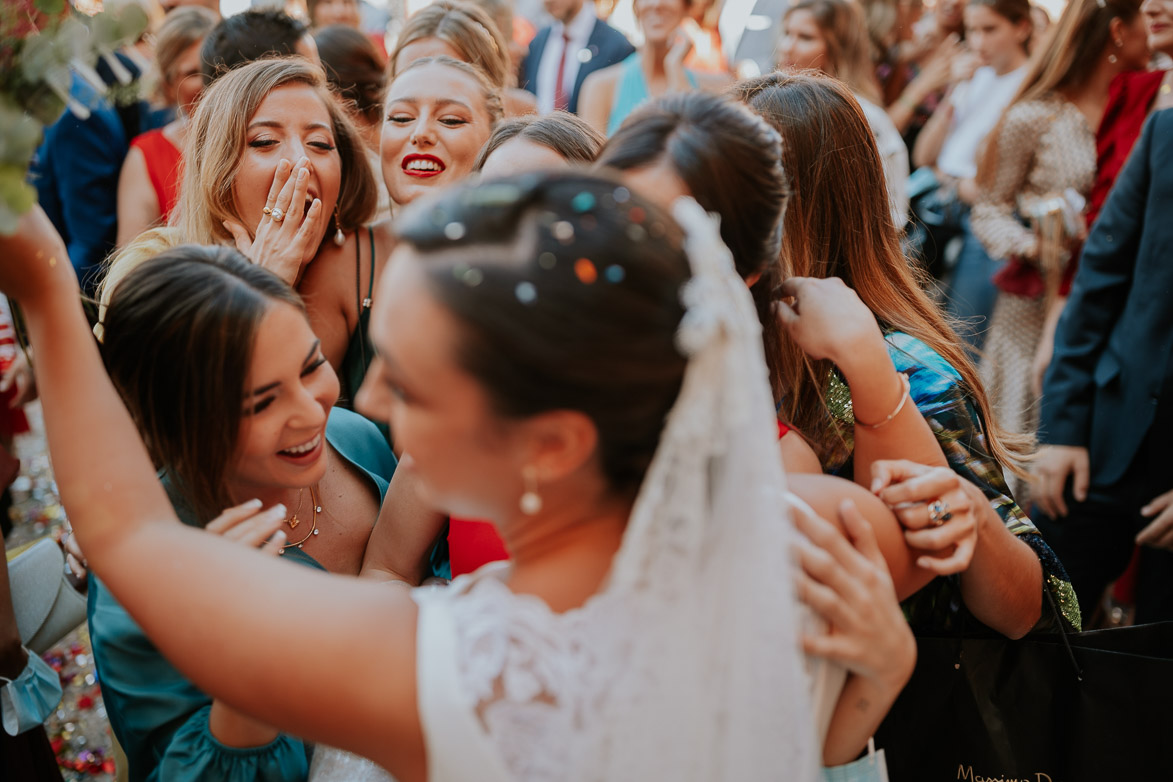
(632, 91)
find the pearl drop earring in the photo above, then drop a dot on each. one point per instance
(339, 237)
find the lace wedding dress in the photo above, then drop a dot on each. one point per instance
(686, 666)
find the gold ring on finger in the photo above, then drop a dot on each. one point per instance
(939, 513)
(267, 211)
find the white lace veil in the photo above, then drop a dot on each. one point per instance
(706, 558)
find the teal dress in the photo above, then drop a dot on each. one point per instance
(632, 91)
(359, 350)
(937, 390)
(159, 717)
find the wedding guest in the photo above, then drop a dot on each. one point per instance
(357, 71)
(999, 32)
(535, 143)
(1042, 147)
(323, 13)
(465, 32)
(833, 228)
(564, 53)
(148, 186)
(656, 69)
(253, 35)
(830, 36)
(180, 330)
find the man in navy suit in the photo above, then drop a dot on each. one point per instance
(1107, 414)
(563, 54)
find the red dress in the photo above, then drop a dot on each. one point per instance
(1130, 97)
(164, 167)
(475, 543)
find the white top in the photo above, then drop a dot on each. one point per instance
(977, 105)
(894, 155)
(579, 31)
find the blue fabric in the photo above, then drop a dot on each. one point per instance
(972, 292)
(606, 46)
(159, 717)
(632, 92)
(76, 168)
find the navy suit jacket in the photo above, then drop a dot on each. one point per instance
(606, 46)
(1111, 367)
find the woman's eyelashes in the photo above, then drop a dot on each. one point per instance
(266, 143)
(264, 403)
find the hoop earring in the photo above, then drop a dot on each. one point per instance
(339, 237)
(531, 501)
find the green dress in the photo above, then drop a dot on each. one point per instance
(159, 717)
(936, 389)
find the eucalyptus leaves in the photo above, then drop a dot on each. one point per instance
(44, 45)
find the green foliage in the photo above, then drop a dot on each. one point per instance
(43, 44)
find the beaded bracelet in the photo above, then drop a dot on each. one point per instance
(894, 413)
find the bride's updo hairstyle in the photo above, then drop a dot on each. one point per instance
(731, 161)
(568, 290)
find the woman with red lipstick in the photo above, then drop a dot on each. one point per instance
(439, 113)
(179, 331)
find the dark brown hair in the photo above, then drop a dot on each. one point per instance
(354, 68)
(1013, 11)
(567, 287)
(839, 224)
(731, 161)
(572, 138)
(250, 35)
(177, 343)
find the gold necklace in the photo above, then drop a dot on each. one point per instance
(293, 520)
(313, 523)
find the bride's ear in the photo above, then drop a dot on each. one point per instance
(560, 443)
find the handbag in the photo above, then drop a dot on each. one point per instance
(46, 604)
(1065, 707)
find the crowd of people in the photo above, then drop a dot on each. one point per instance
(631, 413)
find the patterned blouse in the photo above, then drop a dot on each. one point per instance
(936, 389)
(1044, 147)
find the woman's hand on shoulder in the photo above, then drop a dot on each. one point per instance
(845, 580)
(939, 510)
(282, 242)
(828, 320)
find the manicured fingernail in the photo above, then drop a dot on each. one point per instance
(279, 537)
(278, 510)
(253, 503)
(923, 563)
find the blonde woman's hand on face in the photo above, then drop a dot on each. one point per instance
(284, 238)
(827, 319)
(845, 580)
(938, 509)
(249, 525)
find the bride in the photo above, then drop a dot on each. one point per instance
(556, 355)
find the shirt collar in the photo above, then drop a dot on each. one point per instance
(581, 26)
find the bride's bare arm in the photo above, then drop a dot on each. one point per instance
(327, 658)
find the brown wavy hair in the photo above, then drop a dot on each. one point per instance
(838, 224)
(466, 28)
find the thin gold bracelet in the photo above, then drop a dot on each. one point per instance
(903, 398)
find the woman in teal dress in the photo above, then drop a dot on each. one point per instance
(181, 331)
(655, 69)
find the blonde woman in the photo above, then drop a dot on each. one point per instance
(464, 32)
(149, 184)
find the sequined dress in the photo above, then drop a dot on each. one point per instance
(936, 389)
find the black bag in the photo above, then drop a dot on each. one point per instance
(1080, 707)
(935, 220)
